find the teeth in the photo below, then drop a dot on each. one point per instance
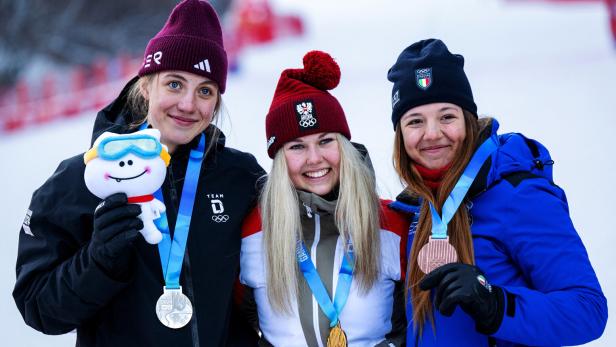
(317, 174)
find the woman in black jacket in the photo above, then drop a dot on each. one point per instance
(82, 264)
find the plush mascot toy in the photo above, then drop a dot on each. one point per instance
(135, 164)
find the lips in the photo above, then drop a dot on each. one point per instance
(184, 121)
(435, 150)
(317, 174)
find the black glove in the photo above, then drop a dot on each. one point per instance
(465, 285)
(116, 226)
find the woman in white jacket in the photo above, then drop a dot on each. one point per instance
(321, 253)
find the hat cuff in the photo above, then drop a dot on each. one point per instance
(282, 123)
(196, 55)
(405, 105)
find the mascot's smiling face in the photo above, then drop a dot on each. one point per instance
(134, 164)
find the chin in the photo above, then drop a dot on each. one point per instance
(183, 138)
(321, 190)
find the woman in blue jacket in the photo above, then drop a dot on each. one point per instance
(493, 257)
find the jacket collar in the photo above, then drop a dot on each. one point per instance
(315, 203)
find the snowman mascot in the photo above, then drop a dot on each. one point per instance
(135, 164)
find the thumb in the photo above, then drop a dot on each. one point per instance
(432, 279)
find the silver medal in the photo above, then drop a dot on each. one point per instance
(436, 253)
(173, 308)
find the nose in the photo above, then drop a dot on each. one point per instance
(314, 155)
(433, 131)
(187, 103)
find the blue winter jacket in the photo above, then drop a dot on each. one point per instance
(526, 244)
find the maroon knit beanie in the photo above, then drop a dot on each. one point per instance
(190, 41)
(302, 106)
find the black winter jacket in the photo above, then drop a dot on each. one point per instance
(59, 288)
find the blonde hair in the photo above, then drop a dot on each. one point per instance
(459, 229)
(138, 106)
(357, 217)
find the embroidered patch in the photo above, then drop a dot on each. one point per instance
(203, 65)
(156, 57)
(395, 99)
(218, 208)
(482, 280)
(306, 115)
(271, 141)
(26, 224)
(423, 77)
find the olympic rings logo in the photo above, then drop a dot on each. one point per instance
(308, 122)
(220, 218)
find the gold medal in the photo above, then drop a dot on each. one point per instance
(337, 337)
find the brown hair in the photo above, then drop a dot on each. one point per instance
(459, 226)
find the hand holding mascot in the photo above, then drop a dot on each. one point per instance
(134, 164)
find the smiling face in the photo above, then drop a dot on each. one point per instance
(180, 104)
(128, 172)
(313, 162)
(433, 133)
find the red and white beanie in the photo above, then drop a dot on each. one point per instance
(302, 106)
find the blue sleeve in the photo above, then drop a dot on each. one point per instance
(563, 304)
(58, 286)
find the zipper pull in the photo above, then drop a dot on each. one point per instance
(308, 210)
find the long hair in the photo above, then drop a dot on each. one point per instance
(459, 231)
(357, 217)
(138, 107)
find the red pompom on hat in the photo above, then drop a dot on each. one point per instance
(302, 106)
(191, 41)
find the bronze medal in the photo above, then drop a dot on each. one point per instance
(436, 253)
(337, 337)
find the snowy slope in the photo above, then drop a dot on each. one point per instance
(544, 70)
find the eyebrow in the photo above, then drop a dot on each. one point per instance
(320, 137)
(446, 108)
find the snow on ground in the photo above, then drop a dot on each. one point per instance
(545, 70)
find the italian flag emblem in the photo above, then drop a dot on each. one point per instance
(423, 77)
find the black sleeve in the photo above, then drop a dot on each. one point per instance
(397, 335)
(58, 286)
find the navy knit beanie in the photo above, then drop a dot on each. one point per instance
(426, 72)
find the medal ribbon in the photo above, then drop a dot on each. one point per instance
(345, 277)
(171, 251)
(439, 226)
